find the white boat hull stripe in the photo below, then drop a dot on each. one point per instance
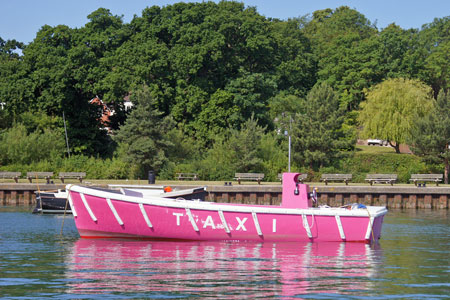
(306, 226)
(255, 220)
(369, 228)
(114, 211)
(83, 198)
(144, 214)
(339, 225)
(224, 222)
(74, 212)
(191, 218)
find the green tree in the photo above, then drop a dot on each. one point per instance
(398, 53)
(234, 151)
(17, 146)
(215, 116)
(274, 154)
(206, 62)
(245, 146)
(251, 94)
(145, 134)
(391, 109)
(282, 109)
(345, 52)
(435, 41)
(317, 135)
(56, 88)
(15, 86)
(431, 134)
(296, 67)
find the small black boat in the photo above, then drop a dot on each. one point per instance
(51, 202)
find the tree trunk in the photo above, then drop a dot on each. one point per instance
(396, 146)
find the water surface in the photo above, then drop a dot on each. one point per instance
(36, 261)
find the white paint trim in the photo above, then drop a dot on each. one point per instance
(191, 218)
(255, 220)
(369, 227)
(339, 225)
(83, 198)
(72, 208)
(224, 222)
(144, 214)
(306, 225)
(114, 211)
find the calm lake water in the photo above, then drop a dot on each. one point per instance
(410, 262)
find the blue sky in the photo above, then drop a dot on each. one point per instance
(21, 19)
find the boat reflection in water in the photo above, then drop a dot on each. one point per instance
(220, 269)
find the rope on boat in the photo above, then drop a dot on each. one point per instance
(39, 192)
(306, 224)
(65, 210)
(370, 223)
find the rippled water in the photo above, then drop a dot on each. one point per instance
(410, 262)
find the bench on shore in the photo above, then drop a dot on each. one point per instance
(190, 176)
(416, 178)
(302, 177)
(336, 177)
(381, 178)
(46, 175)
(11, 175)
(77, 175)
(248, 176)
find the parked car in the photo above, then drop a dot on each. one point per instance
(376, 142)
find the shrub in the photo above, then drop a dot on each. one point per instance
(19, 147)
(401, 164)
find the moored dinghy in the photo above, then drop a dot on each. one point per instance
(51, 202)
(101, 214)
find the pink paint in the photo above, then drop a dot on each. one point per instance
(294, 194)
(100, 214)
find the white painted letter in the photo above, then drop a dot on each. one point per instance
(274, 225)
(178, 217)
(209, 222)
(241, 223)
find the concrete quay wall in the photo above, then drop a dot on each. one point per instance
(389, 196)
(406, 196)
(18, 194)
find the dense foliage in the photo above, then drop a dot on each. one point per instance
(318, 133)
(431, 135)
(214, 87)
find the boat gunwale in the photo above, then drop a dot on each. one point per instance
(369, 211)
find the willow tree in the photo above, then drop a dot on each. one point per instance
(391, 109)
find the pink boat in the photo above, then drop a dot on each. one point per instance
(103, 214)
